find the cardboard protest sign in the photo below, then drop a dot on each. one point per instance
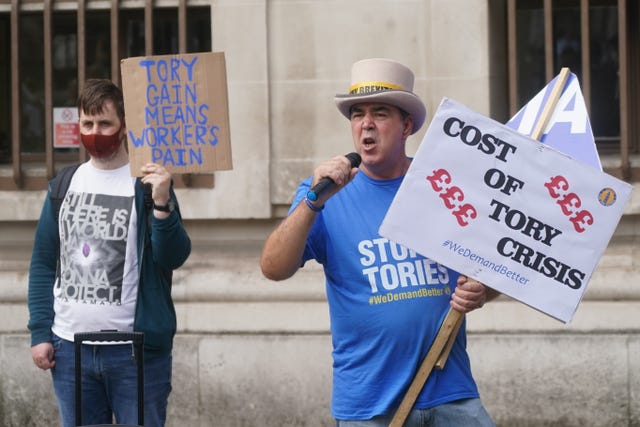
(506, 210)
(177, 112)
(569, 128)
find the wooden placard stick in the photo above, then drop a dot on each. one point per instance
(442, 360)
(550, 106)
(439, 350)
(426, 367)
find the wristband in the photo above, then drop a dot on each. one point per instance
(312, 206)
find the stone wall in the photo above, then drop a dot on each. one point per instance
(251, 352)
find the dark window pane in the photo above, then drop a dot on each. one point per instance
(567, 46)
(132, 25)
(64, 45)
(98, 45)
(31, 83)
(530, 47)
(5, 88)
(605, 87)
(165, 31)
(199, 29)
(64, 59)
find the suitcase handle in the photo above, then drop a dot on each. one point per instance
(114, 336)
(109, 335)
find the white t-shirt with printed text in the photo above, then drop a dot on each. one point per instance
(98, 283)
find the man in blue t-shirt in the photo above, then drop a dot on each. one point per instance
(386, 302)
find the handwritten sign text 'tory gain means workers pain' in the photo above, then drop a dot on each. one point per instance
(176, 110)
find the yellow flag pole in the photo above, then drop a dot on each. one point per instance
(441, 346)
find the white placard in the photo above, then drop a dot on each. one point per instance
(506, 210)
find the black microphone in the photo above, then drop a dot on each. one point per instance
(325, 183)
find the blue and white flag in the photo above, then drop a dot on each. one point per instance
(569, 129)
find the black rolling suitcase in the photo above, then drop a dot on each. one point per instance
(137, 339)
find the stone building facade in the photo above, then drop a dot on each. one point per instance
(250, 352)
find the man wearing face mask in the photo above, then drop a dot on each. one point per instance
(105, 263)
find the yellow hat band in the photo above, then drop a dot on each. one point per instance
(371, 87)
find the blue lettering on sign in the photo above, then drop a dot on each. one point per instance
(174, 94)
(168, 137)
(177, 157)
(177, 124)
(168, 69)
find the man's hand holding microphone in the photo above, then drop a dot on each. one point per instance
(331, 176)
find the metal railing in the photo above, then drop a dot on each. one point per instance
(618, 158)
(31, 171)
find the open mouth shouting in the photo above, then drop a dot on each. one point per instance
(368, 142)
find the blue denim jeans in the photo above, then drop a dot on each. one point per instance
(109, 385)
(465, 412)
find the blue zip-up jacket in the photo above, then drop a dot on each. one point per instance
(163, 246)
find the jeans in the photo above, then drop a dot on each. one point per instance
(109, 384)
(465, 412)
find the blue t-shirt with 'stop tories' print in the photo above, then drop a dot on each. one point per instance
(386, 305)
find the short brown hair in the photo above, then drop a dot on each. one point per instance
(98, 91)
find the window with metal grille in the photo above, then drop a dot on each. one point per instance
(599, 41)
(49, 48)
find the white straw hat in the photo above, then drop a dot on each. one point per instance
(386, 81)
